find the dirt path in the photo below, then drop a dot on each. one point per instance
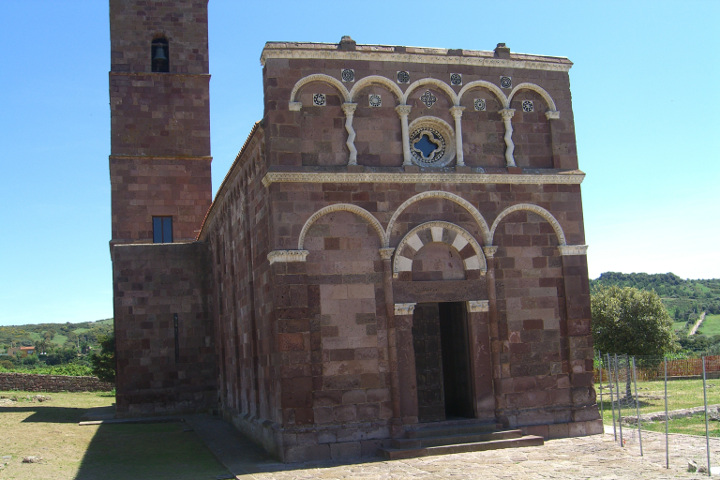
(697, 324)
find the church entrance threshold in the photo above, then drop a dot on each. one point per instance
(440, 340)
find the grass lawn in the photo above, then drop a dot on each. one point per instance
(710, 326)
(681, 394)
(50, 431)
(694, 425)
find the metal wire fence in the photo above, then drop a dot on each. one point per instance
(676, 397)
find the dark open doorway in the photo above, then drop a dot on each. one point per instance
(440, 339)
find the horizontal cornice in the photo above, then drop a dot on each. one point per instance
(412, 55)
(574, 177)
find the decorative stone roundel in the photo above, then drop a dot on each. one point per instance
(455, 79)
(479, 104)
(505, 82)
(432, 143)
(403, 77)
(527, 106)
(374, 100)
(319, 99)
(348, 75)
(428, 98)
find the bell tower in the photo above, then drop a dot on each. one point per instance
(160, 120)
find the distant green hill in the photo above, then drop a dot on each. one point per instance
(56, 335)
(685, 300)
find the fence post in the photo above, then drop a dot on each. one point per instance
(612, 401)
(707, 427)
(617, 393)
(602, 406)
(667, 434)
(637, 405)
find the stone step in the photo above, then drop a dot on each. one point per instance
(455, 437)
(400, 453)
(451, 427)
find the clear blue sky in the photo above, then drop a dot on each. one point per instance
(645, 97)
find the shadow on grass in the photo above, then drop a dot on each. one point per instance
(45, 414)
(168, 450)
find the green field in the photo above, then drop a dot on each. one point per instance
(710, 326)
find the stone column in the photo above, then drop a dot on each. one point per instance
(577, 327)
(403, 111)
(396, 426)
(481, 359)
(349, 109)
(456, 112)
(496, 346)
(507, 114)
(554, 115)
(406, 362)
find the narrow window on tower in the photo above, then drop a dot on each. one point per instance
(162, 230)
(159, 55)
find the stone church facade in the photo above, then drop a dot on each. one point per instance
(399, 241)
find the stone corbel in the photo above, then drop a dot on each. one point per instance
(285, 256)
(572, 250)
(404, 308)
(386, 253)
(552, 115)
(403, 111)
(490, 251)
(294, 106)
(474, 306)
(456, 112)
(507, 114)
(349, 109)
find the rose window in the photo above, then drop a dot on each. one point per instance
(432, 142)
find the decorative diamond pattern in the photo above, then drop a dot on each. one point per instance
(428, 98)
(479, 104)
(319, 99)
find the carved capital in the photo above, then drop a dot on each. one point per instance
(552, 115)
(507, 113)
(457, 111)
(294, 106)
(490, 251)
(403, 110)
(474, 306)
(349, 108)
(386, 253)
(287, 256)
(404, 308)
(573, 249)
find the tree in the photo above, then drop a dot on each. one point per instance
(630, 321)
(104, 362)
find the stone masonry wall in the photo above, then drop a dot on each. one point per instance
(52, 383)
(315, 135)
(164, 338)
(237, 231)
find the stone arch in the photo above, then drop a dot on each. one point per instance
(319, 77)
(359, 211)
(477, 216)
(535, 209)
(431, 81)
(443, 232)
(487, 85)
(537, 89)
(376, 80)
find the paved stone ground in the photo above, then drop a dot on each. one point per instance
(595, 457)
